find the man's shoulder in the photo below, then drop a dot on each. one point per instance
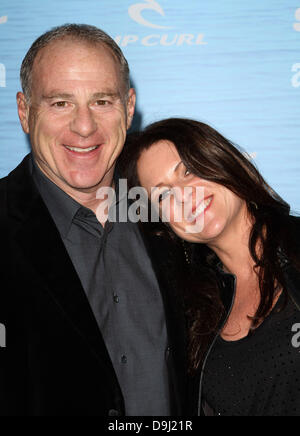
(15, 184)
(19, 173)
(3, 193)
(3, 183)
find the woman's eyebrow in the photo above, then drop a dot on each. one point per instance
(161, 184)
(178, 165)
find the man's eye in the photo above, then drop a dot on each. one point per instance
(187, 172)
(60, 104)
(102, 103)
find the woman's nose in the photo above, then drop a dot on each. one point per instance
(183, 194)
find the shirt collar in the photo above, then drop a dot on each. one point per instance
(61, 206)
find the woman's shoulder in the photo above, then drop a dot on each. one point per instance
(294, 229)
(289, 249)
(295, 219)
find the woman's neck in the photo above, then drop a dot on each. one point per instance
(232, 246)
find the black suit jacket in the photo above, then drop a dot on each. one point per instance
(55, 362)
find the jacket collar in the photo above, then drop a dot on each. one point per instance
(227, 281)
(61, 206)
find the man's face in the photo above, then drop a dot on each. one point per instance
(78, 114)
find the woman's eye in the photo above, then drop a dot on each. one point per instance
(187, 172)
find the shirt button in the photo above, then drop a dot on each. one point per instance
(114, 412)
(124, 359)
(116, 298)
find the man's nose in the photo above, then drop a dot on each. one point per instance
(83, 122)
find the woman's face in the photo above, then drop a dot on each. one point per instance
(197, 210)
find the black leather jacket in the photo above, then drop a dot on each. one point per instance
(228, 291)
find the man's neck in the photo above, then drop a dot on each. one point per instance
(87, 197)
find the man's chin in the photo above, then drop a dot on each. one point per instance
(84, 180)
(88, 186)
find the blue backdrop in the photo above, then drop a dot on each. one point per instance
(230, 63)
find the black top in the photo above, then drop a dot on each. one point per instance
(260, 374)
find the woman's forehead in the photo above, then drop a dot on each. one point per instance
(158, 162)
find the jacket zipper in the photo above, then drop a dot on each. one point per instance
(294, 301)
(211, 347)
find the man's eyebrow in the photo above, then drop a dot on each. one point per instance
(106, 94)
(60, 95)
(67, 96)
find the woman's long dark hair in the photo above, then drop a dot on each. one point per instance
(210, 156)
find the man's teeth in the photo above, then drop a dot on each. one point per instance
(82, 150)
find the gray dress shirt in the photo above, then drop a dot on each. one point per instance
(122, 289)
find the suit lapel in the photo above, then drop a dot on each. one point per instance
(42, 246)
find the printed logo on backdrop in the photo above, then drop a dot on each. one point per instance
(296, 67)
(3, 20)
(297, 16)
(135, 12)
(139, 13)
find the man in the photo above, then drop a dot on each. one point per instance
(93, 327)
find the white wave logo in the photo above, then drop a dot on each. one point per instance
(3, 20)
(164, 39)
(135, 12)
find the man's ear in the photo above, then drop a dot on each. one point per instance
(23, 111)
(130, 107)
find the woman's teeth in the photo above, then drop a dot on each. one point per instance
(81, 150)
(204, 205)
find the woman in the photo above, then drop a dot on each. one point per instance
(242, 290)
